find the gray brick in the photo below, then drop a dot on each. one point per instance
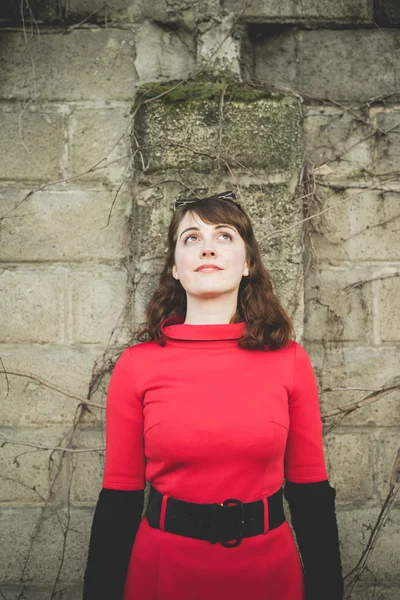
(354, 530)
(375, 592)
(349, 463)
(26, 402)
(63, 225)
(368, 62)
(387, 444)
(16, 527)
(12, 592)
(356, 224)
(182, 132)
(389, 308)
(342, 11)
(346, 375)
(32, 306)
(335, 138)
(163, 54)
(89, 467)
(98, 300)
(26, 467)
(339, 304)
(92, 137)
(83, 65)
(386, 148)
(32, 143)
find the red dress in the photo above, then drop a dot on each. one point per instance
(214, 421)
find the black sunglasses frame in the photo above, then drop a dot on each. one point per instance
(230, 196)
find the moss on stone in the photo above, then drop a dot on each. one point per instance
(204, 90)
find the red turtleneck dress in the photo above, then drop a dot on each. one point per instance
(214, 421)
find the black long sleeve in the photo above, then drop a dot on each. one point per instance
(312, 509)
(115, 523)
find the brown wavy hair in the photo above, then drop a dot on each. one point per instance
(267, 323)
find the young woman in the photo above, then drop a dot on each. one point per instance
(216, 408)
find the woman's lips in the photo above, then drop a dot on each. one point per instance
(208, 270)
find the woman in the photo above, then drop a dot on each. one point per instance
(224, 406)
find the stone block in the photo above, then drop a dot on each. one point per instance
(343, 11)
(27, 473)
(347, 375)
(99, 140)
(28, 402)
(163, 53)
(32, 305)
(375, 592)
(103, 59)
(354, 531)
(18, 525)
(219, 50)
(349, 462)
(338, 304)
(63, 225)
(335, 139)
(387, 444)
(273, 54)
(386, 148)
(32, 143)
(12, 592)
(368, 62)
(356, 224)
(258, 130)
(367, 59)
(98, 301)
(389, 308)
(89, 467)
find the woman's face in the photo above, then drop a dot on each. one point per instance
(199, 243)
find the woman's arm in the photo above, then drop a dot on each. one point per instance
(312, 508)
(308, 492)
(120, 504)
(115, 523)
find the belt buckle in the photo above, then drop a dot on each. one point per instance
(236, 502)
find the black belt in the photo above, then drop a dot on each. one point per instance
(214, 522)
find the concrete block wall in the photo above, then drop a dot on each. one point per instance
(81, 226)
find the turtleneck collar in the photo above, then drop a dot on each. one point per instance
(174, 328)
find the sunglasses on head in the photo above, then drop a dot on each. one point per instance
(230, 196)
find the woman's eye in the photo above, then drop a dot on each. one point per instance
(194, 235)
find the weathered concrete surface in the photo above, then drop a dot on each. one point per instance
(32, 143)
(97, 302)
(27, 472)
(63, 226)
(341, 11)
(24, 293)
(25, 401)
(357, 224)
(349, 457)
(163, 53)
(117, 11)
(308, 61)
(354, 527)
(83, 65)
(18, 525)
(347, 374)
(185, 129)
(339, 305)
